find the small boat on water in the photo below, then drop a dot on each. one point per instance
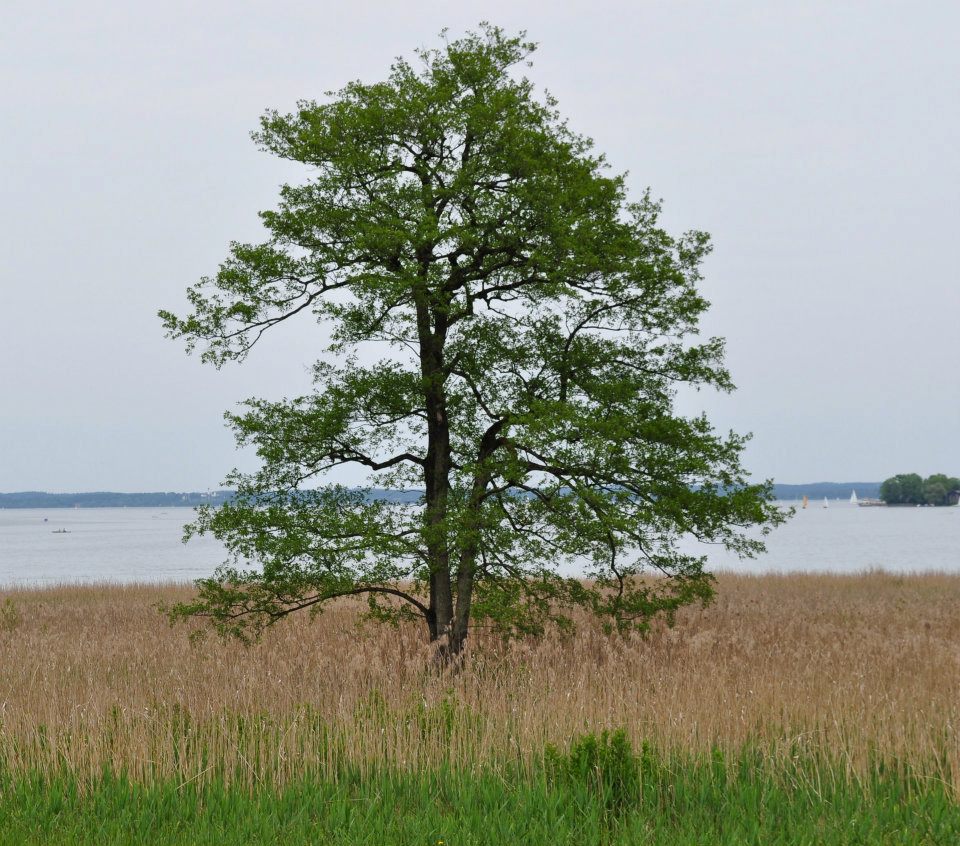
(805, 500)
(825, 503)
(60, 532)
(853, 498)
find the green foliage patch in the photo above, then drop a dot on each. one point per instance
(911, 489)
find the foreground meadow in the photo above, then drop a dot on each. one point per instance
(801, 708)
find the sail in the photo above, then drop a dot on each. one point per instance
(825, 503)
(853, 498)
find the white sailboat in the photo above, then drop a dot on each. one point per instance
(853, 498)
(825, 503)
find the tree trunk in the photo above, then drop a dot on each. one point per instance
(461, 620)
(436, 476)
(436, 471)
(467, 568)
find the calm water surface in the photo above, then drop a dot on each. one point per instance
(101, 544)
(143, 544)
(845, 538)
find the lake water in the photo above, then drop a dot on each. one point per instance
(101, 544)
(143, 544)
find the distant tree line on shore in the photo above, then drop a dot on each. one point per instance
(155, 499)
(191, 499)
(831, 490)
(111, 499)
(912, 489)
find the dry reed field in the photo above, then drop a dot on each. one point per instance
(858, 669)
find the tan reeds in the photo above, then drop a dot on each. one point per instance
(855, 668)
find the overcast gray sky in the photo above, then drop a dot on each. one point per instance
(818, 142)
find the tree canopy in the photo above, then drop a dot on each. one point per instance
(911, 489)
(508, 335)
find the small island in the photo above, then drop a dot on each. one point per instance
(910, 489)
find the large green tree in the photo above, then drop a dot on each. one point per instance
(911, 489)
(902, 489)
(938, 488)
(508, 335)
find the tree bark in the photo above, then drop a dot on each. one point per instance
(436, 471)
(467, 566)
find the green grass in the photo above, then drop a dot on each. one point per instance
(598, 792)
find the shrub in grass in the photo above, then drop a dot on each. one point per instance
(606, 766)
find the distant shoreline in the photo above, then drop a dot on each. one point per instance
(192, 499)
(112, 499)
